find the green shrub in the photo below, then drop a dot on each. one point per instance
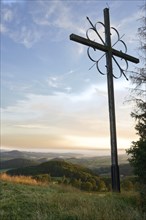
(44, 178)
(127, 185)
(143, 197)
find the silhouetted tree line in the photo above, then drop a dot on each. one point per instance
(138, 149)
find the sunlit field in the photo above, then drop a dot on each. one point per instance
(24, 198)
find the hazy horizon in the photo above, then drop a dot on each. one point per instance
(83, 152)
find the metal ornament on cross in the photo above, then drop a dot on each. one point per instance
(110, 54)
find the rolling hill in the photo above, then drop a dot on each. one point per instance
(56, 168)
(125, 170)
(17, 163)
(45, 156)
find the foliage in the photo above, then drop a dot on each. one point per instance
(55, 202)
(138, 159)
(143, 197)
(87, 186)
(140, 116)
(75, 175)
(127, 185)
(44, 178)
(138, 148)
(102, 186)
(139, 80)
(56, 168)
(125, 169)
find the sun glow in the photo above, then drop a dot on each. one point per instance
(87, 142)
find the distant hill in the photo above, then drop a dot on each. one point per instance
(6, 155)
(56, 168)
(125, 170)
(45, 156)
(98, 161)
(17, 163)
(98, 164)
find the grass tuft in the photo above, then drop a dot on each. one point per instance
(28, 180)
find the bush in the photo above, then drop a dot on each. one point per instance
(44, 178)
(127, 185)
(87, 186)
(143, 197)
(102, 186)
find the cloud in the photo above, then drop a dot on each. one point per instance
(3, 29)
(74, 119)
(59, 109)
(31, 126)
(127, 27)
(17, 26)
(8, 15)
(86, 95)
(27, 36)
(62, 82)
(67, 109)
(33, 141)
(57, 14)
(44, 116)
(68, 89)
(41, 19)
(87, 142)
(52, 82)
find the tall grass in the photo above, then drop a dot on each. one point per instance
(54, 202)
(28, 180)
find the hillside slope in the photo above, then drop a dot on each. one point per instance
(56, 168)
(17, 163)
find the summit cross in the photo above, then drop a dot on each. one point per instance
(110, 52)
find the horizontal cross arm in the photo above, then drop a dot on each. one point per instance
(125, 56)
(87, 42)
(101, 47)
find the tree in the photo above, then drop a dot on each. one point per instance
(127, 185)
(44, 178)
(76, 183)
(138, 78)
(102, 186)
(138, 159)
(87, 186)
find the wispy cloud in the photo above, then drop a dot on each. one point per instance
(7, 15)
(66, 115)
(32, 126)
(16, 26)
(3, 29)
(52, 82)
(46, 17)
(128, 28)
(60, 104)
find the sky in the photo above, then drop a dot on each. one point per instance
(50, 100)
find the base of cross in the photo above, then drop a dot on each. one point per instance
(115, 178)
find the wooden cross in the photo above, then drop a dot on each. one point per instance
(110, 52)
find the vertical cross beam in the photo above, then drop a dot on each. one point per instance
(110, 85)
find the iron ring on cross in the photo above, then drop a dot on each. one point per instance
(93, 34)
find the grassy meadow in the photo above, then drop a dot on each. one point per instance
(22, 198)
